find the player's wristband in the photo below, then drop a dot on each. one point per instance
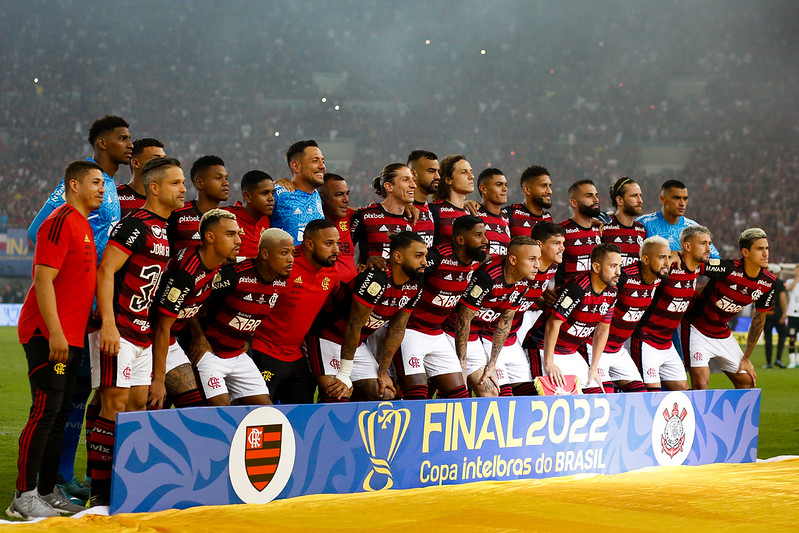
(344, 372)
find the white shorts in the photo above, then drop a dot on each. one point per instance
(616, 366)
(661, 365)
(477, 356)
(573, 364)
(237, 376)
(517, 364)
(721, 355)
(364, 365)
(502, 369)
(175, 357)
(528, 320)
(427, 354)
(134, 364)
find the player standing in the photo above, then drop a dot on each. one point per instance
(537, 188)
(373, 226)
(792, 287)
(706, 334)
(457, 182)
(52, 325)
(252, 216)
(121, 351)
(493, 187)
(133, 194)
(623, 230)
(241, 300)
(295, 208)
(581, 234)
(210, 178)
(426, 174)
(426, 353)
(335, 195)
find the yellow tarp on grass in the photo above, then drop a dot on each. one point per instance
(717, 498)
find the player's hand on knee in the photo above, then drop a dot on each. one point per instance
(156, 395)
(746, 367)
(489, 378)
(385, 387)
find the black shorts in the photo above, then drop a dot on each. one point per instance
(793, 325)
(288, 381)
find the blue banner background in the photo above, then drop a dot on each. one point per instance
(180, 458)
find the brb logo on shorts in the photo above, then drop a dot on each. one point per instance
(673, 429)
(261, 455)
(382, 431)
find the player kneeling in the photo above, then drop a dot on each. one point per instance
(241, 299)
(338, 352)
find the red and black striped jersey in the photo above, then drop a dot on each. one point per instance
(671, 301)
(250, 227)
(628, 238)
(581, 310)
(577, 250)
(521, 220)
(374, 289)
(490, 296)
(185, 286)
(345, 264)
(535, 289)
(497, 230)
(444, 215)
(634, 298)
(129, 199)
(240, 300)
(142, 236)
(446, 278)
(728, 291)
(372, 228)
(425, 226)
(183, 227)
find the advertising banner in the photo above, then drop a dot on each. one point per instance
(180, 458)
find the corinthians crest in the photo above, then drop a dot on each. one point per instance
(382, 432)
(673, 436)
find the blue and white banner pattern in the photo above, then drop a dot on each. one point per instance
(181, 458)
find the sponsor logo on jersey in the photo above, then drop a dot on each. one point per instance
(262, 455)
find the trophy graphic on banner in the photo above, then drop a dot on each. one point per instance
(382, 432)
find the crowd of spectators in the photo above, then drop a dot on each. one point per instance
(577, 89)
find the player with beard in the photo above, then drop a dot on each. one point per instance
(480, 326)
(426, 354)
(133, 195)
(426, 174)
(258, 193)
(493, 187)
(651, 345)
(340, 357)
(240, 301)
(457, 182)
(581, 235)
(550, 237)
(296, 206)
(623, 230)
(335, 195)
(121, 350)
(584, 309)
(210, 178)
(706, 333)
(276, 343)
(537, 188)
(372, 226)
(636, 290)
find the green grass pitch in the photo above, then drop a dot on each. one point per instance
(779, 413)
